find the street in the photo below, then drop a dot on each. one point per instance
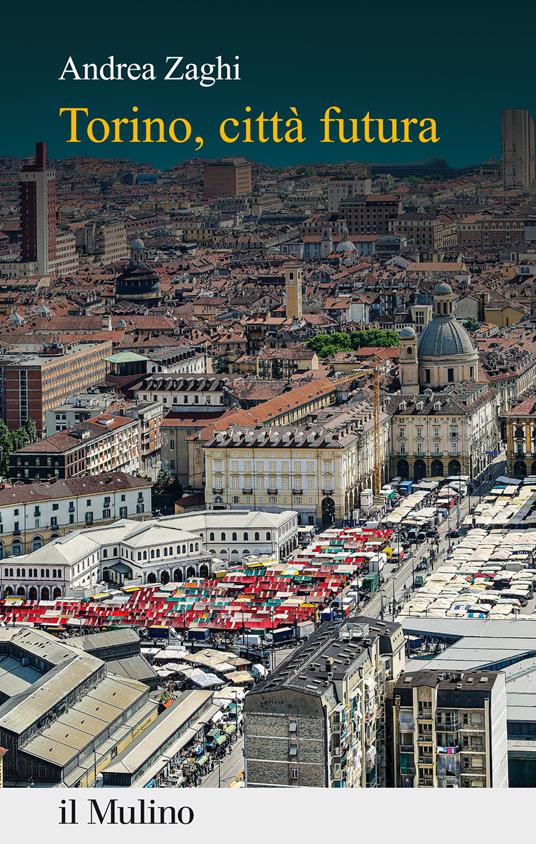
(227, 769)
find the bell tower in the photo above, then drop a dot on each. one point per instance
(409, 364)
(293, 290)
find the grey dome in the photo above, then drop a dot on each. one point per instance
(442, 289)
(444, 337)
(346, 246)
(406, 333)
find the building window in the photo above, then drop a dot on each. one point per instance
(450, 375)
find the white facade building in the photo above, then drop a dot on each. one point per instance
(126, 551)
(235, 534)
(202, 393)
(33, 514)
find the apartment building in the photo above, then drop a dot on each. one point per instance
(32, 384)
(318, 469)
(316, 720)
(279, 364)
(102, 444)
(149, 416)
(518, 155)
(370, 214)
(227, 177)
(188, 360)
(490, 230)
(122, 552)
(76, 409)
(66, 260)
(33, 514)
(429, 232)
(339, 189)
(449, 433)
(106, 241)
(182, 393)
(519, 426)
(449, 730)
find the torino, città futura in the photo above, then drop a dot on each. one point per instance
(248, 128)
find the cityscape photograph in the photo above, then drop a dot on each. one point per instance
(268, 472)
(267, 411)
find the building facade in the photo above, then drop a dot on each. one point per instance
(518, 148)
(441, 434)
(371, 214)
(449, 730)
(317, 469)
(519, 432)
(33, 514)
(123, 552)
(33, 384)
(316, 720)
(227, 177)
(183, 393)
(236, 534)
(37, 187)
(104, 443)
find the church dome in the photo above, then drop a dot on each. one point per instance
(139, 283)
(442, 289)
(346, 246)
(406, 334)
(444, 337)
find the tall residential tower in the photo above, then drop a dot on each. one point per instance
(518, 148)
(38, 212)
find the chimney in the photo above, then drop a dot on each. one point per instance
(106, 322)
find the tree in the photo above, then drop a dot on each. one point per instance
(327, 345)
(163, 479)
(6, 447)
(10, 441)
(471, 324)
(31, 430)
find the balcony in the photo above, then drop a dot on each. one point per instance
(450, 726)
(426, 759)
(271, 491)
(406, 748)
(247, 491)
(297, 492)
(407, 770)
(472, 728)
(425, 716)
(425, 738)
(327, 492)
(217, 490)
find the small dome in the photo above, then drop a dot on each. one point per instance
(346, 246)
(406, 334)
(442, 289)
(137, 243)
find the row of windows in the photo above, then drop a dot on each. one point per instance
(234, 536)
(155, 552)
(56, 573)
